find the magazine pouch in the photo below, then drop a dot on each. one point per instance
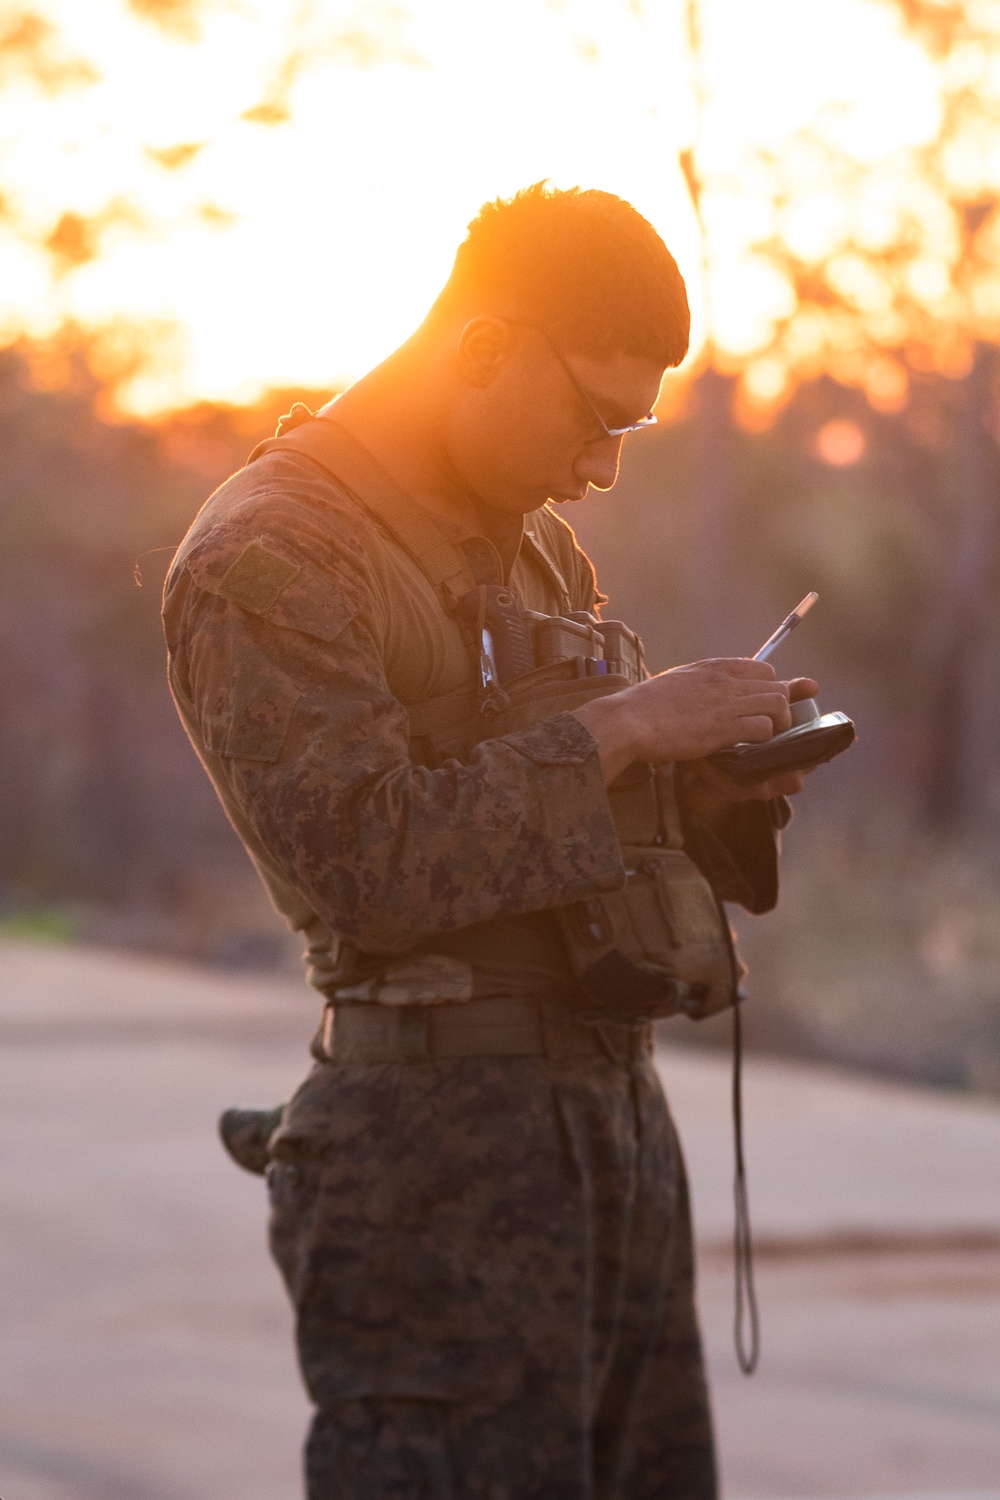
(657, 946)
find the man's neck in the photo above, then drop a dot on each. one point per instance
(393, 413)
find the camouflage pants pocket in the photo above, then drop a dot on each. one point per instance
(289, 1186)
(379, 1449)
(490, 1261)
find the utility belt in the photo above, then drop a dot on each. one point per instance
(360, 1034)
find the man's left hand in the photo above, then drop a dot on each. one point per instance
(711, 794)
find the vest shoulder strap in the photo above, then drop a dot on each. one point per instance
(342, 456)
(544, 555)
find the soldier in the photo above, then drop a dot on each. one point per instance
(501, 842)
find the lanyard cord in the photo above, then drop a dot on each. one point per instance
(747, 1315)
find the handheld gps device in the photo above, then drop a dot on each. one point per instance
(813, 739)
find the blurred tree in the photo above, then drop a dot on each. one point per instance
(714, 595)
(31, 50)
(888, 264)
(177, 18)
(102, 801)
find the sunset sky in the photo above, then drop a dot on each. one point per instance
(271, 191)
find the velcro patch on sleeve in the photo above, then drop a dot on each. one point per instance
(257, 579)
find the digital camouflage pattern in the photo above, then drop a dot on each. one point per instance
(245, 1133)
(490, 1261)
(490, 1258)
(292, 679)
(299, 631)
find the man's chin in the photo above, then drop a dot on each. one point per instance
(513, 503)
(569, 499)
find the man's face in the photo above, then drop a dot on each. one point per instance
(525, 424)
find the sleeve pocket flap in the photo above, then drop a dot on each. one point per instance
(290, 594)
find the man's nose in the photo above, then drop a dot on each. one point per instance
(598, 463)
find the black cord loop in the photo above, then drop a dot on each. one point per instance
(747, 1314)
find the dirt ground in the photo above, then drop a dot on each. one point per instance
(147, 1354)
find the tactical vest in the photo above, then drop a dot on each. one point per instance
(661, 943)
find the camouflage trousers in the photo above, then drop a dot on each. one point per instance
(491, 1267)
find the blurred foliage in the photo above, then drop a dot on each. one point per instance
(39, 925)
(882, 955)
(885, 256)
(873, 537)
(31, 51)
(102, 801)
(178, 18)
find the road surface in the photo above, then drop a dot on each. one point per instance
(146, 1352)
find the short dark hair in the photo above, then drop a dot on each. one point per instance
(585, 265)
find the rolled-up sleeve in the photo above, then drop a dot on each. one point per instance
(291, 708)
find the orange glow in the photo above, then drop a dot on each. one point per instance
(282, 183)
(840, 443)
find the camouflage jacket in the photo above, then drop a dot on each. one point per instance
(298, 631)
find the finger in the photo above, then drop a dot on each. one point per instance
(775, 705)
(755, 729)
(801, 687)
(742, 689)
(740, 667)
(788, 784)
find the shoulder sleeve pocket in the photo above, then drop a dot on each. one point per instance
(246, 711)
(267, 582)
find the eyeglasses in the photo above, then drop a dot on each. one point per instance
(649, 420)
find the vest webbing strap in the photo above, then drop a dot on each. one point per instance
(332, 446)
(542, 555)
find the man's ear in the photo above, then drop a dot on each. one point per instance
(483, 346)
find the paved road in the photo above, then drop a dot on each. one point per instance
(146, 1351)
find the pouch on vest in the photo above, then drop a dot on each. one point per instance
(660, 944)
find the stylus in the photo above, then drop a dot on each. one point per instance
(786, 627)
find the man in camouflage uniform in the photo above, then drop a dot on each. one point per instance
(478, 1201)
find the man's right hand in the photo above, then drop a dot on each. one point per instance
(690, 712)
